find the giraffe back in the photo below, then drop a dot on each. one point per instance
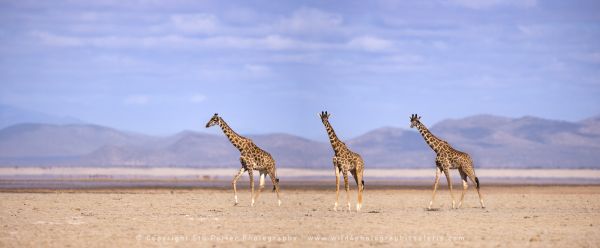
(262, 159)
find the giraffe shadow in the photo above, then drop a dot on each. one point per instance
(432, 209)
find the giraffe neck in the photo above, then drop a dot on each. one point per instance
(336, 143)
(235, 139)
(434, 142)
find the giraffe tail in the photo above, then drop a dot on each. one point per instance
(477, 182)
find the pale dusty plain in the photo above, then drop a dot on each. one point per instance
(516, 216)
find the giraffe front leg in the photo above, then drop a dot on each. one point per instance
(234, 183)
(449, 179)
(435, 185)
(347, 185)
(337, 184)
(251, 174)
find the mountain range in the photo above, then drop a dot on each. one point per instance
(492, 142)
(10, 115)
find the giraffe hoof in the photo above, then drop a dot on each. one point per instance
(235, 204)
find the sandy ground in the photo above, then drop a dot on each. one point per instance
(558, 216)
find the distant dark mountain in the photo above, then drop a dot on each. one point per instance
(10, 115)
(591, 125)
(392, 147)
(526, 141)
(294, 151)
(492, 141)
(43, 140)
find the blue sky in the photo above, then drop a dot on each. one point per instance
(159, 67)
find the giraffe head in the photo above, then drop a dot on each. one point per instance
(324, 116)
(213, 121)
(415, 120)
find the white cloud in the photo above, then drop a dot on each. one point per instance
(56, 40)
(309, 20)
(533, 30)
(196, 23)
(137, 99)
(277, 42)
(116, 60)
(485, 4)
(370, 43)
(269, 42)
(404, 59)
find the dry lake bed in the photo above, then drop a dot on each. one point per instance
(544, 216)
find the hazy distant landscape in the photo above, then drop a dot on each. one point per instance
(493, 142)
(103, 107)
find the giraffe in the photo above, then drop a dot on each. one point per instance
(252, 158)
(448, 158)
(344, 161)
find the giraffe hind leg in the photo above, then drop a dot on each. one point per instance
(358, 179)
(463, 176)
(475, 181)
(337, 184)
(261, 184)
(360, 183)
(275, 182)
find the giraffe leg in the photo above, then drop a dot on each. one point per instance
(356, 179)
(361, 188)
(435, 185)
(463, 176)
(337, 184)
(234, 183)
(276, 185)
(347, 185)
(261, 184)
(475, 181)
(449, 179)
(251, 174)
